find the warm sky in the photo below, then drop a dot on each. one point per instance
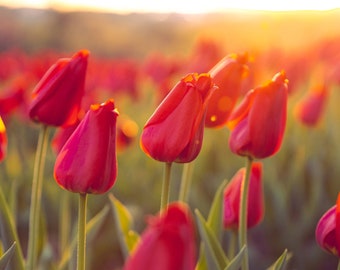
(180, 6)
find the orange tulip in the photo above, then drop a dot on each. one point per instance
(228, 75)
(257, 125)
(175, 130)
(3, 140)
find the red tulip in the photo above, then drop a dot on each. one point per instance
(87, 162)
(168, 243)
(255, 206)
(327, 231)
(258, 123)
(61, 136)
(228, 75)
(3, 140)
(175, 130)
(57, 97)
(309, 110)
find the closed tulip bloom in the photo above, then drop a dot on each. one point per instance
(228, 75)
(255, 206)
(87, 161)
(168, 242)
(310, 108)
(3, 140)
(175, 130)
(327, 231)
(257, 125)
(57, 96)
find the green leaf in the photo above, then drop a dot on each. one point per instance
(92, 227)
(9, 234)
(214, 222)
(236, 262)
(281, 261)
(216, 258)
(7, 256)
(123, 220)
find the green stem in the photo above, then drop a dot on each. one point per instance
(186, 181)
(81, 259)
(64, 221)
(166, 186)
(338, 268)
(35, 208)
(242, 232)
(10, 235)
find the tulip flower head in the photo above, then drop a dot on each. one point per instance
(3, 140)
(57, 96)
(257, 125)
(87, 161)
(309, 109)
(168, 242)
(232, 194)
(174, 132)
(228, 75)
(327, 231)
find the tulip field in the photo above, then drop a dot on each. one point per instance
(169, 141)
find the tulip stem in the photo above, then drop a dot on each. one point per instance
(186, 181)
(81, 259)
(166, 186)
(242, 232)
(39, 164)
(338, 268)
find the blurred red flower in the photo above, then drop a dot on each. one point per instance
(310, 108)
(232, 192)
(257, 125)
(87, 162)
(228, 75)
(57, 96)
(175, 130)
(327, 231)
(168, 242)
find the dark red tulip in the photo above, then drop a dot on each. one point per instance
(57, 96)
(257, 125)
(168, 242)
(327, 231)
(228, 75)
(310, 108)
(87, 162)
(232, 192)
(175, 130)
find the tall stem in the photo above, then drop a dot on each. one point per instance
(186, 181)
(35, 208)
(166, 186)
(81, 258)
(242, 232)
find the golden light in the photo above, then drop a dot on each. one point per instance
(179, 6)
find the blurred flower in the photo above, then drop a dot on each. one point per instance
(127, 130)
(175, 130)
(168, 242)
(255, 204)
(258, 123)
(3, 140)
(327, 231)
(57, 97)
(61, 136)
(87, 162)
(310, 108)
(228, 75)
